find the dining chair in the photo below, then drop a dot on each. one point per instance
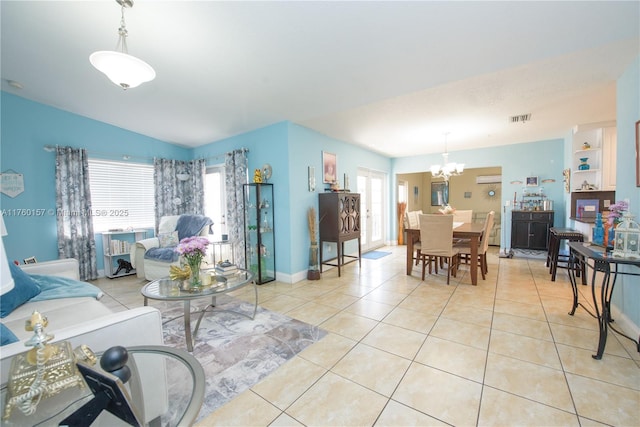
(483, 246)
(411, 220)
(463, 216)
(436, 243)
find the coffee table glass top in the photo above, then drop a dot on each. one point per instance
(167, 289)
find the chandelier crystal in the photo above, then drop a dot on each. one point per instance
(123, 69)
(448, 169)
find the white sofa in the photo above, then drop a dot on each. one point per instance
(152, 269)
(86, 320)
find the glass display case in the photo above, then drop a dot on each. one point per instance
(259, 233)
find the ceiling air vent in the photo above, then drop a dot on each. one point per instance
(521, 118)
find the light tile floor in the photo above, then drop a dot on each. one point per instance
(401, 351)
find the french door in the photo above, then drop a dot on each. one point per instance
(373, 206)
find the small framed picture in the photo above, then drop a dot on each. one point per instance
(329, 168)
(532, 181)
(30, 260)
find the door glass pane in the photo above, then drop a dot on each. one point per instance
(364, 217)
(214, 200)
(376, 209)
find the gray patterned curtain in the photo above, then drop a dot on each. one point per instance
(236, 165)
(73, 205)
(179, 187)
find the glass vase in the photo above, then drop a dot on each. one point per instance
(314, 265)
(195, 282)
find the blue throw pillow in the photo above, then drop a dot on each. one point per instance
(6, 336)
(24, 288)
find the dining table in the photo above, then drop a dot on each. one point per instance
(467, 230)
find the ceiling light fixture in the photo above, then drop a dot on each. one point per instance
(447, 170)
(122, 69)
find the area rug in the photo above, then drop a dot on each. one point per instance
(375, 254)
(529, 253)
(235, 351)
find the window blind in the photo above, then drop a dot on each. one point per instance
(122, 195)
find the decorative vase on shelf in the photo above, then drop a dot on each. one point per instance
(598, 230)
(584, 166)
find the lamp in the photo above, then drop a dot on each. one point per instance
(448, 169)
(121, 68)
(6, 280)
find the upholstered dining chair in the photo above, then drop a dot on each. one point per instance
(463, 215)
(436, 243)
(411, 220)
(465, 248)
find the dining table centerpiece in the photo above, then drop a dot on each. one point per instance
(193, 249)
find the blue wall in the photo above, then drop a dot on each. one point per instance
(306, 147)
(627, 291)
(26, 128)
(290, 149)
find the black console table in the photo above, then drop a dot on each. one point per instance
(582, 256)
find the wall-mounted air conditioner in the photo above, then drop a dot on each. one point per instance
(489, 179)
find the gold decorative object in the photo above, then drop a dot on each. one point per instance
(178, 273)
(43, 371)
(257, 176)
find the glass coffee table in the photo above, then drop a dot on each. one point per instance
(171, 290)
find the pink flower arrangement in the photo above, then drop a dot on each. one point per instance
(616, 211)
(193, 248)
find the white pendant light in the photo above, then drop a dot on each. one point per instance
(121, 68)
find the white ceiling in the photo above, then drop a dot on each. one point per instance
(391, 76)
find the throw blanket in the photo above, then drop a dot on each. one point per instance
(187, 226)
(56, 287)
(190, 225)
(168, 254)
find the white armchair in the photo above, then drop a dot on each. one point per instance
(171, 230)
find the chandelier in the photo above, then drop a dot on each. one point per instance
(448, 169)
(121, 68)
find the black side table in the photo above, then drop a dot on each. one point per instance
(582, 256)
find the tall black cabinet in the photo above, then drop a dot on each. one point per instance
(259, 235)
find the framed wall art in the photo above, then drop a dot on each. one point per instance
(329, 167)
(532, 181)
(566, 174)
(439, 193)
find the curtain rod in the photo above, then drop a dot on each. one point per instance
(52, 148)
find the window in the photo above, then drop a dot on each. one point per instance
(215, 200)
(403, 192)
(122, 195)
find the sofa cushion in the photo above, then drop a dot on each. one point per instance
(168, 240)
(54, 287)
(6, 336)
(23, 290)
(60, 313)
